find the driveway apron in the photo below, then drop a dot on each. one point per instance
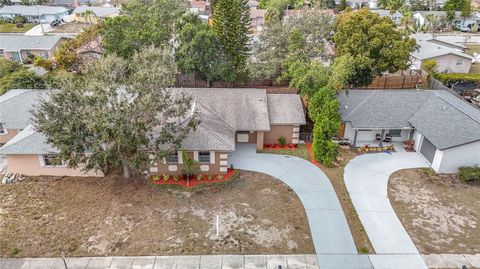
(366, 178)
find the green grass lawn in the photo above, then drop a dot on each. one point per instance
(12, 28)
(471, 48)
(300, 152)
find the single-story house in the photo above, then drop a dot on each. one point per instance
(20, 48)
(228, 116)
(421, 18)
(94, 14)
(445, 128)
(396, 16)
(34, 13)
(450, 57)
(200, 7)
(257, 17)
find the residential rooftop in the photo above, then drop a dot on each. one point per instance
(446, 120)
(17, 42)
(98, 11)
(33, 10)
(16, 106)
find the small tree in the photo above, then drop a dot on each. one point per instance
(342, 5)
(466, 10)
(190, 166)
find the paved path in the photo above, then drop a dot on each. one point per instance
(452, 260)
(366, 178)
(330, 232)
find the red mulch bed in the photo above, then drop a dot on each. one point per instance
(182, 181)
(277, 146)
(312, 159)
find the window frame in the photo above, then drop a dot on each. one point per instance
(51, 159)
(204, 154)
(3, 131)
(395, 135)
(170, 157)
(459, 61)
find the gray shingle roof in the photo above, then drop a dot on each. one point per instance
(446, 120)
(25, 42)
(98, 11)
(32, 10)
(15, 107)
(243, 109)
(28, 141)
(285, 109)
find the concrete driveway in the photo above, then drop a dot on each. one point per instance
(331, 234)
(366, 178)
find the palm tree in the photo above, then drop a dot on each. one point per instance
(190, 166)
(407, 21)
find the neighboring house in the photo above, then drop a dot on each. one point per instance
(421, 17)
(201, 8)
(257, 17)
(94, 14)
(396, 16)
(450, 57)
(22, 48)
(76, 3)
(474, 18)
(227, 117)
(44, 14)
(445, 128)
(15, 107)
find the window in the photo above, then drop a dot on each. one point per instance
(395, 132)
(51, 160)
(173, 158)
(204, 156)
(459, 62)
(2, 131)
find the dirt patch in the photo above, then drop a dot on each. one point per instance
(109, 216)
(70, 28)
(440, 212)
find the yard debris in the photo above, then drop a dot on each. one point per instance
(12, 178)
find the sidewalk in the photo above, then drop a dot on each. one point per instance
(168, 262)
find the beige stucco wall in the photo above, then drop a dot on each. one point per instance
(221, 160)
(9, 135)
(276, 131)
(30, 165)
(37, 53)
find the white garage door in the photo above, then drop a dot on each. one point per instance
(428, 150)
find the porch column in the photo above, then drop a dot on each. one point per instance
(410, 135)
(355, 138)
(381, 138)
(260, 136)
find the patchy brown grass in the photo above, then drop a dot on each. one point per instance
(44, 216)
(335, 174)
(440, 212)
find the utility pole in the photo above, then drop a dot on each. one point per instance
(39, 19)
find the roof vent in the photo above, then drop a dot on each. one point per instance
(346, 107)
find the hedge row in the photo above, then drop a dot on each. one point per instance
(471, 173)
(458, 77)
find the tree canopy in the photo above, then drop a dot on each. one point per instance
(231, 24)
(117, 114)
(15, 76)
(373, 43)
(146, 22)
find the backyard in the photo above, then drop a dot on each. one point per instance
(110, 216)
(12, 28)
(440, 212)
(335, 174)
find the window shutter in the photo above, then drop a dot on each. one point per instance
(212, 156)
(41, 160)
(180, 157)
(195, 155)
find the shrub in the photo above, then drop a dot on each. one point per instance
(282, 141)
(453, 78)
(176, 178)
(210, 177)
(220, 177)
(156, 178)
(165, 178)
(471, 173)
(199, 177)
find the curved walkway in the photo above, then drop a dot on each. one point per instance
(331, 234)
(366, 178)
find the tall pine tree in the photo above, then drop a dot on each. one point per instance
(231, 23)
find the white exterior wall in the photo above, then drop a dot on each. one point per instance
(449, 160)
(418, 138)
(370, 135)
(418, 18)
(449, 62)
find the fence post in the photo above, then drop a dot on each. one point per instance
(403, 83)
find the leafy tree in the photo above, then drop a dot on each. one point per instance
(201, 52)
(394, 5)
(374, 44)
(466, 10)
(143, 23)
(231, 24)
(117, 114)
(340, 72)
(21, 79)
(430, 66)
(271, 51)
(342, 5)
(275, 10)
(456, 5)
(327, 122)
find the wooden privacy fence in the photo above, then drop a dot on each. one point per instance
(399, 80)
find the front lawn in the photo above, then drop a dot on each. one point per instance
(335, 174)
(440, 213)
(110, 216)
(12, 28)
